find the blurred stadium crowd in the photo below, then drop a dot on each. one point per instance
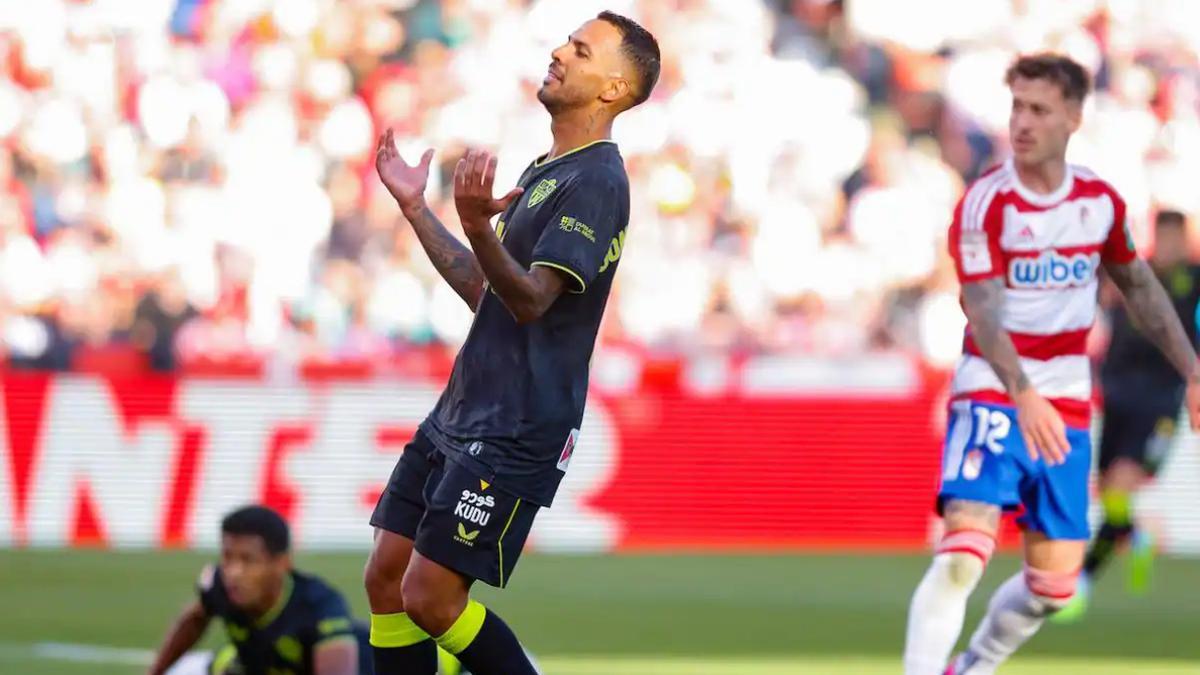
(191, 181)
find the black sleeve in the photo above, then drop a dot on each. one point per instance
(211, 591)
(331, 616)
(586, 221)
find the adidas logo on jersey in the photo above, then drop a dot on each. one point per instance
(1053, 270)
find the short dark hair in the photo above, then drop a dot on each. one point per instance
(640, 47)
(261, 522)
(1170, 218)
(1071, 78)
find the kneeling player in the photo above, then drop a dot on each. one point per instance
(278, 620)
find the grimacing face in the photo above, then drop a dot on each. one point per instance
(250, 571)
(1041, 121)
(587, 69)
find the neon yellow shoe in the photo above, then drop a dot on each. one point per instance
(1142, 552)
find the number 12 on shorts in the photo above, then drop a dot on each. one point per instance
(991, 429)
(973, 426)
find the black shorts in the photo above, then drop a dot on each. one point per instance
(1140, 430)
(455, 518)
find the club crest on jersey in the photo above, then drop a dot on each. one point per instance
(976, 257)
(1053, 270)
(540, 193)
(972, 465)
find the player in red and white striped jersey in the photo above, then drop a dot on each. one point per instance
(1047, 250)
(1029, 239)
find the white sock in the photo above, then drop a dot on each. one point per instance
(1014, 615)
(935, 617)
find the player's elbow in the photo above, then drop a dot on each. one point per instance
(529, 306)
(338, 658)
(981, 320)
(526, 313)
(473, 296)
(194, 616)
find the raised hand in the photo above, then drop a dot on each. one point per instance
(474, 177)
(405, 183)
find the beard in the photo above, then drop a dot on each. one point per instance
(559, 99)
(548, 100)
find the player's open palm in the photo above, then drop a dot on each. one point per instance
(474, 179)
(406, 183)
(1042, 427)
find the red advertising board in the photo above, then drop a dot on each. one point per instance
(155, 461)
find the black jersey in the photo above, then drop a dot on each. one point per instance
(283, 640)
(513, 406)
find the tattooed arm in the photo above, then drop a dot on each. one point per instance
(452, 259)
(1154, 314)
(1041, 425)
(983, 302)
(526, 293)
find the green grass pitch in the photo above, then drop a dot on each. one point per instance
(640, 615)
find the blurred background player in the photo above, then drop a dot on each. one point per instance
(1028, 240)
(463, 495)
(278, 620)
(1143, 393)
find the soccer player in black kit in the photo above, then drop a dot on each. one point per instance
(279, 621)
(463, 495)
(1143, 394)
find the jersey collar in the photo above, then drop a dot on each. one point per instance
(1037, 199)
(272, 614)
(541, 161)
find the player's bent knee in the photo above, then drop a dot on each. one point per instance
(433, 611)
(1051, 590)
(383, 585)
(385, 570)
(966, 554)
(963, 570)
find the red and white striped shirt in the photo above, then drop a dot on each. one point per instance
(1049, 249)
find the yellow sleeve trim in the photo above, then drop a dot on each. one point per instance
(578, 279)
